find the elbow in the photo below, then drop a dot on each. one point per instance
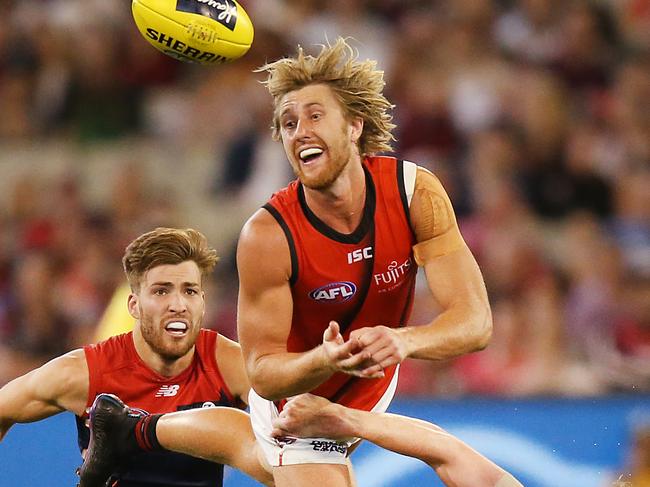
(263, 385)
(482, 331)
(265, 390)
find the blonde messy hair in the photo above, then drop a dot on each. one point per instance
(167, 246)
(357, 85)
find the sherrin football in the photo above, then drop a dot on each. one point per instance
(198, 31)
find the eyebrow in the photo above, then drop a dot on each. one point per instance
(169, 283)
(308, 105)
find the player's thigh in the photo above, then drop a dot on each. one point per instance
(330, 475)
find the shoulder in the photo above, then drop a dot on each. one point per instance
(263, 243)
(431, 212)
(112, 348)
(260, 226)
(66, 367)
(230, 362)
(64, 379)
(429, 192)
(115, 342)
(425, 179)
(227, 348)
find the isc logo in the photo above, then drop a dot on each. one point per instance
(359, 254)
(334, 292)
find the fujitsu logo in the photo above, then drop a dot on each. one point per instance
(168, 391)
(393, 275)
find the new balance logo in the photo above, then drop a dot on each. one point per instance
(168, 391)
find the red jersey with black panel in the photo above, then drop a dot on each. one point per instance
(115, 367)
(361, 279)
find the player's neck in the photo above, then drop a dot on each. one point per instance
(158, 363)
(341, 205)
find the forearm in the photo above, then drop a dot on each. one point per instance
(12, 409)
(456, 331)
(281, 375)
(59, 385)
(406, 436)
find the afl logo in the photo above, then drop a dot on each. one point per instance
(334, 292)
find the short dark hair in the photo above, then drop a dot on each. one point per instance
(167, 246)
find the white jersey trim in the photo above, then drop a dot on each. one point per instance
(410, 172)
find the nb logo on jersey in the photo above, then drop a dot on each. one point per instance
(359, 255)
(334, 292)
(168, 391)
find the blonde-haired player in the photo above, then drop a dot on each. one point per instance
(327, 268)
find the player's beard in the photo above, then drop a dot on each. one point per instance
(167, 347)
(338, 156)
(325, 178)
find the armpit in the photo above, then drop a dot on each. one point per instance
(432, 219)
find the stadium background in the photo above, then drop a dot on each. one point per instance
(534, 113)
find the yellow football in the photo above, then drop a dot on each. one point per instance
(198, 31)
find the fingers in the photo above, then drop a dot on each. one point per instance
(383, 345)
(367, 373)
(348, 359)
(279, 429)
(333, 333)
(384, 356)
(343, 351)
(372, 372)
(366, 353)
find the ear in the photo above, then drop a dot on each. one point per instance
(132, 305)
(356, 129)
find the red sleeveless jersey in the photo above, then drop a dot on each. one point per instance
(115, 367)
(361, 279)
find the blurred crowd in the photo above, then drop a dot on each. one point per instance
(535, 114)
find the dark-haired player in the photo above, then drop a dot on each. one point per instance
(168, 363)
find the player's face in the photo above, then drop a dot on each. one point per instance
(317, 136)
(170, 308)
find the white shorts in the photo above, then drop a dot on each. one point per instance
(296, 451)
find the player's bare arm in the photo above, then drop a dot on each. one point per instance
(454, 278)
(57, 386)
(454, 461)
(264, 318)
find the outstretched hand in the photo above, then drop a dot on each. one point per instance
(348, 356)
(307, 416)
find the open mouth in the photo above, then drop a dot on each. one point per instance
(176, 328)
(309, 155)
